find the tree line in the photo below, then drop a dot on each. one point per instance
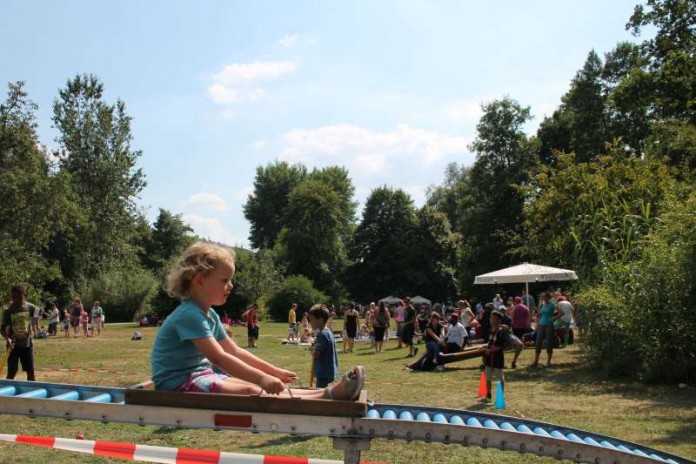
(605, 187)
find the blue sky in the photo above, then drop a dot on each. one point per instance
(391, 90)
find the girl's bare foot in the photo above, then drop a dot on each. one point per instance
(349, 387)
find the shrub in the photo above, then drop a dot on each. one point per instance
(295, 289)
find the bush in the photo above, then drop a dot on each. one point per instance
(609, 343)
(121, 293)
(295, 289)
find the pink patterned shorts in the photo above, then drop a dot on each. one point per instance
(206, 381)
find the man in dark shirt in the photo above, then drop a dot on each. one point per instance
(409, 327)
(16, 329)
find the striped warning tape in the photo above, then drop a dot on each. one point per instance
(144, 453)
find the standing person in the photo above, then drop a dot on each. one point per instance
(380, 324)
(75, 313)
(16, 330)
(192, 338)
(292, 323)
(251, 316)
(409, 328)
(324, 352)
(53, 319)
(528, 301)
(565, 322)
(96, 314)
(350, 322)
(466, 317)
(494, 357)
(66, 323)
(548, 313)
(498, 301)
(485, 321)
(36, 321)
(399, 317)
(84, 321)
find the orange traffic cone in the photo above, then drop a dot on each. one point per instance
(483, 389)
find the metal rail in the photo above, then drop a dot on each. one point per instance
(352, 435)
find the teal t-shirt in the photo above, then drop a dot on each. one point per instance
(547, 310)
(174, 356)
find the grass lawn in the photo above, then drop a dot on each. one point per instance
(663, 417)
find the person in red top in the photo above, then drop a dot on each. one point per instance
(251, 316)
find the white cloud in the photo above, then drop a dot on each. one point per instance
(260, 144)
(465, 110)
(417, 192)
(367, 149)
(212, 229)
(289, 40)
(239, 81)
(207, 200)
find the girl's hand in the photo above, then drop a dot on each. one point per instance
(271, 385)
(285, 375)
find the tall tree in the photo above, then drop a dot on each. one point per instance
(312, 241)
(505, 158)
(579, 125)
(381, 250)
(434, 256)
(339, 180)
(670, 78)
(169, 236)
(95, 140)
(33, 200)
(265, 208)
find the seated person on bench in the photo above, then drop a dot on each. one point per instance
(192, 338)
(456, 336)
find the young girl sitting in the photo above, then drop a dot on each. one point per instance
(193, 333)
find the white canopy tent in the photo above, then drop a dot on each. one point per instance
(389, 300)
(525, 273)
(419, 300)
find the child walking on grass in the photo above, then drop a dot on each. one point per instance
(192, 338)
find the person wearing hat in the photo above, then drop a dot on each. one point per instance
(456, 336)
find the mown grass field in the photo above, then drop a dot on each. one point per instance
(663, 417)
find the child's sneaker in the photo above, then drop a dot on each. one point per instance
(440, 368)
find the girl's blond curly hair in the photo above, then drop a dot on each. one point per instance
(199, 258)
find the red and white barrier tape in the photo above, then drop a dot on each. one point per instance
(133, 452)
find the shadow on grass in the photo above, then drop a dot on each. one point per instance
(282, 441)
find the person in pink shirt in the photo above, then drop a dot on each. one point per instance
(400, 317)
(521, 319)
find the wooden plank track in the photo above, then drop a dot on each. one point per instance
(244, 403)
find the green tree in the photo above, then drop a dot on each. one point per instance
(33, 199)
(312, 240)
(434, 256)
(257, 277)
(505, 157)
(589, 215)
(95, 140)
(381, 251)
(265, 207)
(164, 242)
(670, 78)
(295, 289)
(579, 125)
